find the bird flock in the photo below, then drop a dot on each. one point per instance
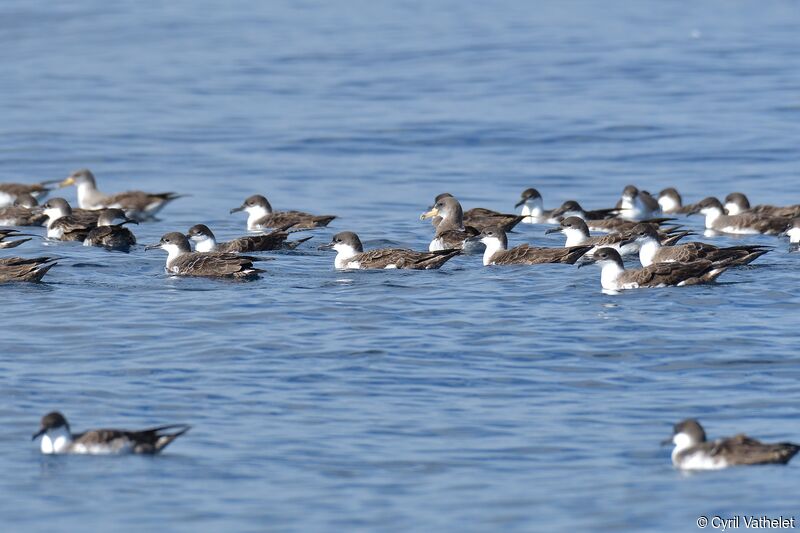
(639, 225)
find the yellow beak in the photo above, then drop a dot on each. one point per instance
(67, 182)
(434, 212)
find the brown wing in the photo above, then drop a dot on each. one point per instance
(24, 269)
(381, 258)
(21, 188)
(790, 211)
(294, 219)
(214, 264)
(743, 450)
(111, 236)
(146, 441)
(530, 255)
(668, 274)
(607, 240)
(138, 200)
(22, 216)
(506, 222)
(610, 224)
(769, 225)
(480, 212)
(255, 243)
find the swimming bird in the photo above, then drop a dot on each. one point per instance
(10, 192)
(57, 438)
(6, 233)
(533, 208)
(651, 251)
(671, 202)
(111, 234)
(182, 261)
(571, 208)
(261, 216)
(614, 276)
(637, 205)
(25, 268)
(693, 452)
(737, 203)
(450, 231)
(497, 252)
(480, 217)
(741, 224)
(204, 241)
(24, 212)
(63, 225)
(138, 205)
(577, 233)
(351, 255)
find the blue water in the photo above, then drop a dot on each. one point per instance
(472, 398)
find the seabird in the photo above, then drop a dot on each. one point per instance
(671, 202)
(480, 217)
(737, 203)
(111, 234)
(181, 261)
(577, 233)
(651, 251)
(63, 225)
(351, 255)
(637, 205)
(10, 192)
(204, 241)
(24, 212)
(741, 224)
(693, 452)
(137, 205)
(25, 269)
(450, 231)
(58, 439)
(6, 233)
(571, 208)
(261, 216)
(533, 208)
(794, 231)
(497, 252)
(614, 276)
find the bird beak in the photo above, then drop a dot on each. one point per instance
(627, 241)
(694, 210)
(130, 221)
(520, 202)
(586, 261)
(237, 209)
(666, 442)
(432, 212)
(474, 239)
(328, 246)
(152, 246)
(39, 433)
(67, 182)
(553, 230)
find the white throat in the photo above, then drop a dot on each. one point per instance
(682, 442)
(609, 274)
(173, 252)
(88, 196)
(533, 207)
(53, 214)
(255, 213)
(575, 237)
(712, 214)
(668, 204)
(733, 208)
(647, 251)
(493, 245)
(794, 235)
(56, 441)
(345, 252)
(204, 244)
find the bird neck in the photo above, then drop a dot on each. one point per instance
(647, 251)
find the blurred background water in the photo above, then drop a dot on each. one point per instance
(471, 398)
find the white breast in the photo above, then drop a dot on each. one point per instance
(699, 461)
(436, 245)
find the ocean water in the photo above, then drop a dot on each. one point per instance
(471, 398)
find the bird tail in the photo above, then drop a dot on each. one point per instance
(164, 439)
